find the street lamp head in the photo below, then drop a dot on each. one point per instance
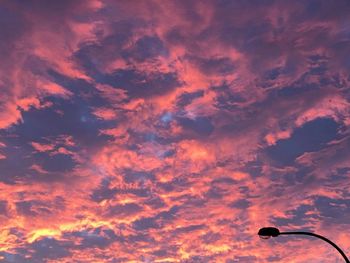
(267, 232)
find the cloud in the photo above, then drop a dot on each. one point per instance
(159, 131)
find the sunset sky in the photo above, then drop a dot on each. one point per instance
(171, 131)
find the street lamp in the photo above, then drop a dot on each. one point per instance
(267, 232)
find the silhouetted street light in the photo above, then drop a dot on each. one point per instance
(267, 232)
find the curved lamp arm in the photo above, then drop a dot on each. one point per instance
(320, 237)
(267, 232)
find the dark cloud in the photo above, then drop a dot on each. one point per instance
(145, 223)
(15, 167)
(188, 229)
(131, 176)
(13, 25)
(312, 136)
(214, 66)
(49, 248)
(103, 192)
(138, 84)
(300, 216)
(66, 117)
(25, 208)
(201, 125)
(147, 47)
(241, 204)
(3, 207)
(97, 237)
(333, 210)
(58, 163)
(187, 97)
(124, 210)
(244, 259)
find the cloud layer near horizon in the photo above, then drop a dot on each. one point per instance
(171, 131)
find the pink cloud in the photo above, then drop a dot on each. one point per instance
(38, 169)
(143, 182)
(105, 113)
(40, 147)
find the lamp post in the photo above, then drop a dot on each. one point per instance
(267, 232)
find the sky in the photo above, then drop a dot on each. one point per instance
(171, 131)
